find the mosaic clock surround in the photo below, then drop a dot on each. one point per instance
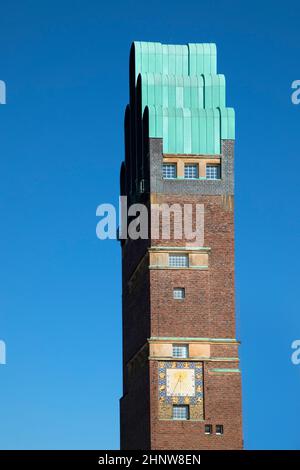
(180, 382)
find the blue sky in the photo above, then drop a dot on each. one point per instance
(65, 64)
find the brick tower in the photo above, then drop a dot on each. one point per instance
(181, 376)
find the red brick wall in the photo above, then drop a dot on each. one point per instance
(206, 312)
(208, 309)
(135, 403)
(222, 405)
(135, 412)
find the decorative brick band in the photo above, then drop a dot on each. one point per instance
(225, 371)
(172, 267)
(191, 359)
(190, 339)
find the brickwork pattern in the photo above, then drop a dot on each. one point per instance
(208, 311)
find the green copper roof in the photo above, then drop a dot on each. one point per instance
(191, 131)
(168, 59)
(183, 91)
(184, 95)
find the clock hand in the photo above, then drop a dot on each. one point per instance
(176, 385)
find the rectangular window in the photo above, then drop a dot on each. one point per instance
(178, 261)
(219, 429)
(181, 412)
(213, 172)
(208, 429)
(180, 350)
(179, 293)
(191, 171)
(169, 171)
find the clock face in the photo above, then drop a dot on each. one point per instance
(180, 382)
